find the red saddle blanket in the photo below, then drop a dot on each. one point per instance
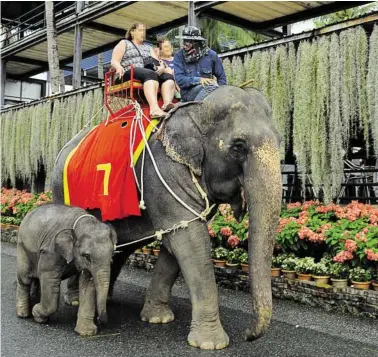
(98, 172)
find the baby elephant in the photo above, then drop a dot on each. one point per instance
(54, 242)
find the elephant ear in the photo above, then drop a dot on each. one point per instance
(113, 233)
(181, 136)
(63, 244)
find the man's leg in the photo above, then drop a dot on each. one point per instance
(205, 91)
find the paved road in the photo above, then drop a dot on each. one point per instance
(296, 330)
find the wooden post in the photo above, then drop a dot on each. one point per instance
(192, 17)
(100, 65)
(76, 75)
(3, 79)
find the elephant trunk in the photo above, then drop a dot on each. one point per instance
(263, 190)
(101, 281)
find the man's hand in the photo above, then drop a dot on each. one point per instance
(207, 81)
(168, 70)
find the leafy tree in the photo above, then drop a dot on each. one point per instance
(344, 15)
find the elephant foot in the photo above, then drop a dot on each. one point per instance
(23, 311)
(208, 338)
(71, 297)
(86, 329)
(157, 313)
(38, 315)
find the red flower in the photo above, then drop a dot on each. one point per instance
(226, 231)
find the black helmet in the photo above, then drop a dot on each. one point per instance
(191, 33)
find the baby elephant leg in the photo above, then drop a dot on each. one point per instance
(87, 306)
(23, 283)
(50, 290)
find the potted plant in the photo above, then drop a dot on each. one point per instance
(339, 275)
(244, 262)
(155, 246)
(288, 267)
(146, 250)
(275, 269)
(321, 273)
(375, 280)
(219, 256)
(304, 268)
(360, 278)
(233, 258)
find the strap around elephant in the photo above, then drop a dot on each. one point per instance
(79, 218)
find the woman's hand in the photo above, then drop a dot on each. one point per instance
(160, 70)
(168, 70)
(120, 71)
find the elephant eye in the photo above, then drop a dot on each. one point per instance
(86, 256)
(238, 150)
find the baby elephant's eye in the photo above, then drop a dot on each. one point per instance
(86, 256)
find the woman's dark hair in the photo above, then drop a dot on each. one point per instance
(132, 28)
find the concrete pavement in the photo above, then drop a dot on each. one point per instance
(296, 330)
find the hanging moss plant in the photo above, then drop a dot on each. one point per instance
(227, 70)
(253, 71)
(238, 70)
(280, 96)
(372, 87)
(303, 108)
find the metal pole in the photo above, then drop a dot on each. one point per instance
(3, 79)
(76, 75)
(192, 17)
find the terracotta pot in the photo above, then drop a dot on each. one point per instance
(362, 285)
(304, 277)
(244, 267)
(219, 263)
(339, 283)
(232, 265)
(5, 225)
(321, 279)
(156, 252)
(375, 285)
(289, 274)
(275, 272)
(13, 226)
(147, 250)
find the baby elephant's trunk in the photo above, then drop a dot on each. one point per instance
(101, 279)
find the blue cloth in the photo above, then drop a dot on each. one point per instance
(188, 75)
(168, 63)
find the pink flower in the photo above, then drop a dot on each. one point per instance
(343, 256)
(211, 231)
(350, 245)
(233, 241)
(371, 255)
(226, 231)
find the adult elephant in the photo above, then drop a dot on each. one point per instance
(230, 143)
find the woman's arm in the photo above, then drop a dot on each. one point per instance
(117, 55)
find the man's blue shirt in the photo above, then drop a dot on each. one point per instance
(188, 75)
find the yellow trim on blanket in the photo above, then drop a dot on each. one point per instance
(66, 191)
(139, 149)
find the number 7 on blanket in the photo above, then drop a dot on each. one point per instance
(107, 168)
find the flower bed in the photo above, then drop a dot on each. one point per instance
(16, 204)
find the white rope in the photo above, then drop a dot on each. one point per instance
(183, 224)
(82, 216)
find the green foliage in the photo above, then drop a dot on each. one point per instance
(339, 271)
(321, 269)
(220, 253)
(234, 255)
(360, 274)
(289, 264)
(244, 258)
(154, 245)
(238, 71)
(305, 265)
(344, 15)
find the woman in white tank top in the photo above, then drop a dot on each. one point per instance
(132, 51)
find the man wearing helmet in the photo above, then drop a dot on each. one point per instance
(198, 69)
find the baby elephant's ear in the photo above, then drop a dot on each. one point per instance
(113, 233)
(62, 244)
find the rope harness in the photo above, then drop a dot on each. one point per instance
(137, 121)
